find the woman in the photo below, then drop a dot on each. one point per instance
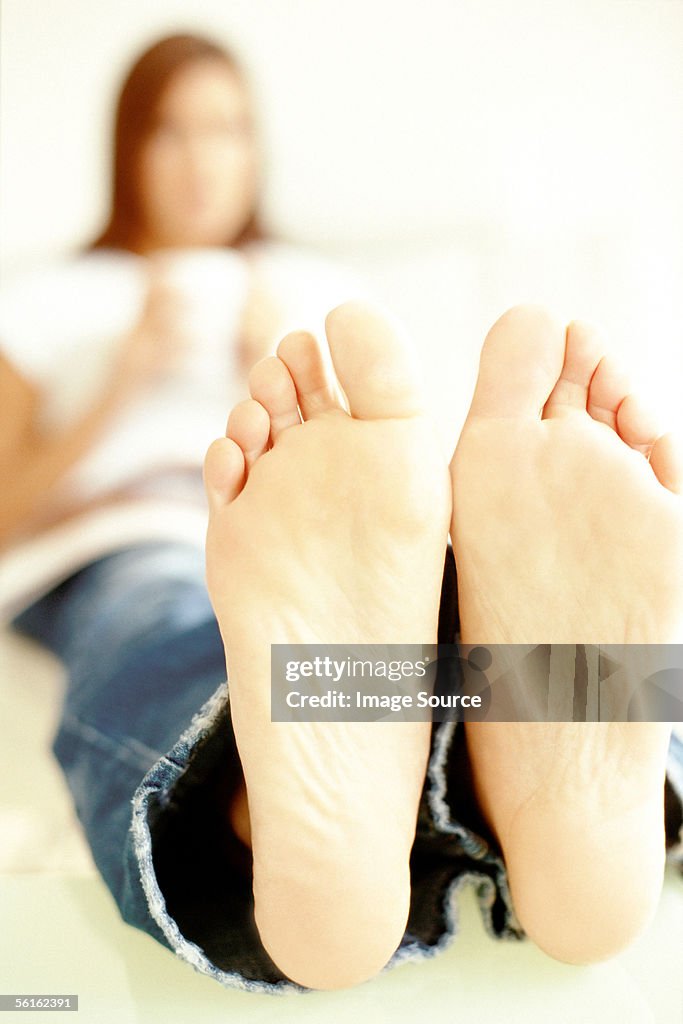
(114, 380)
(184, 208)
(145, 719)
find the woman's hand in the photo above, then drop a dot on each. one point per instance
(35, 460)
(157, 343)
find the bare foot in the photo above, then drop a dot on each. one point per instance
(568, 528)
(330, 530)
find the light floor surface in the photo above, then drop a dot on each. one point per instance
(60, 931)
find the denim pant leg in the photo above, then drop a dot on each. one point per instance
(148, 751)
(147, 748)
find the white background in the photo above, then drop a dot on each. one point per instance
(463, 156)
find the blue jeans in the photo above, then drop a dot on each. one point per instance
(147, 748)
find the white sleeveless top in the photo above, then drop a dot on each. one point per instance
(60, 326)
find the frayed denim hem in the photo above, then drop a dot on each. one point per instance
(158, 785)
(155, 793)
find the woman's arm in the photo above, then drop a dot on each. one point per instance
(32, 460)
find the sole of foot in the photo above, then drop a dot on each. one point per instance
(329, 509)
(568, 528)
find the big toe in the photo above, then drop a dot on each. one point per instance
(521, 361)
(374, 362)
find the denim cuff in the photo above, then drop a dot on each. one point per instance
(188, 882)
(188, 879)
(454, 811)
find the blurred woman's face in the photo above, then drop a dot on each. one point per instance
(198, 167)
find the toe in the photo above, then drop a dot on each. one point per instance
(666, 459)
(520, 363)
(608, 388)
(374, 362)
(582, 354)
(223, 472)
(271, 384)
(637, 424)
(315, 390)
(249, 427)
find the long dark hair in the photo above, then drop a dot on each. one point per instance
(136, 110)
